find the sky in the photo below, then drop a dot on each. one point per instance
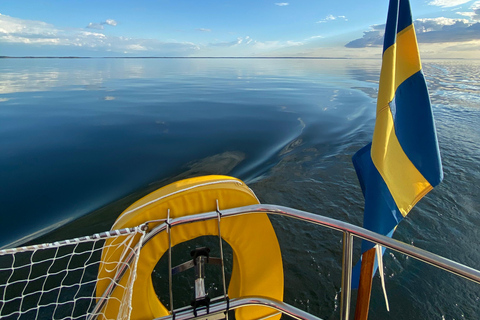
(208, 28)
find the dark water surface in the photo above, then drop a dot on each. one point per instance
(82, 139)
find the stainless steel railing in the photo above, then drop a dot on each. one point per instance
(219, 309)
(349, 233)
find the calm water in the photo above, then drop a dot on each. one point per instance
(82, 139)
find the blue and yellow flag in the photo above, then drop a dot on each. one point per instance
(402, 164)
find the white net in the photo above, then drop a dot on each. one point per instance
(66, 279)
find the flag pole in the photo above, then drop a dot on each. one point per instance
(365, 285)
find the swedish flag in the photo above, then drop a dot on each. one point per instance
(402, 164)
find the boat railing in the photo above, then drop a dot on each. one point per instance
(219, 308)
(349, 231)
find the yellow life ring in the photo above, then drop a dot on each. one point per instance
(257, 262)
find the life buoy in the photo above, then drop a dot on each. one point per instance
(257, 262)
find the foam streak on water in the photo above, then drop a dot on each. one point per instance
(82, 139)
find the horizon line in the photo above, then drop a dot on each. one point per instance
(173, 57)
(221, 57)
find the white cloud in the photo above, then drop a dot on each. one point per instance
(16, 32)
(468, 50)
(17, 27)
(240, 40)
(371, 38)
(282, 4)
(431, 30)
(266, 47)
(111, 22)
(100, 25)
(94, 34)
(447, 3)
(204, 30)
(476, 9)
(97, 26)
(474, 15)
(224, 44)
(136, 47)
(246, 46)
(291, 43)
(440, 30)
(471, 14)
(436, 24)
(331, 17)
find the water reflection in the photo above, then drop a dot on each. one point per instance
(28, 75)
(93, 130)
(454, 82)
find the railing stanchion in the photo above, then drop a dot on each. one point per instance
(225, 296)
(170, 281)
(346, 290)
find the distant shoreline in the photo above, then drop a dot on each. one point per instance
(74, 57)
(265, 58)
